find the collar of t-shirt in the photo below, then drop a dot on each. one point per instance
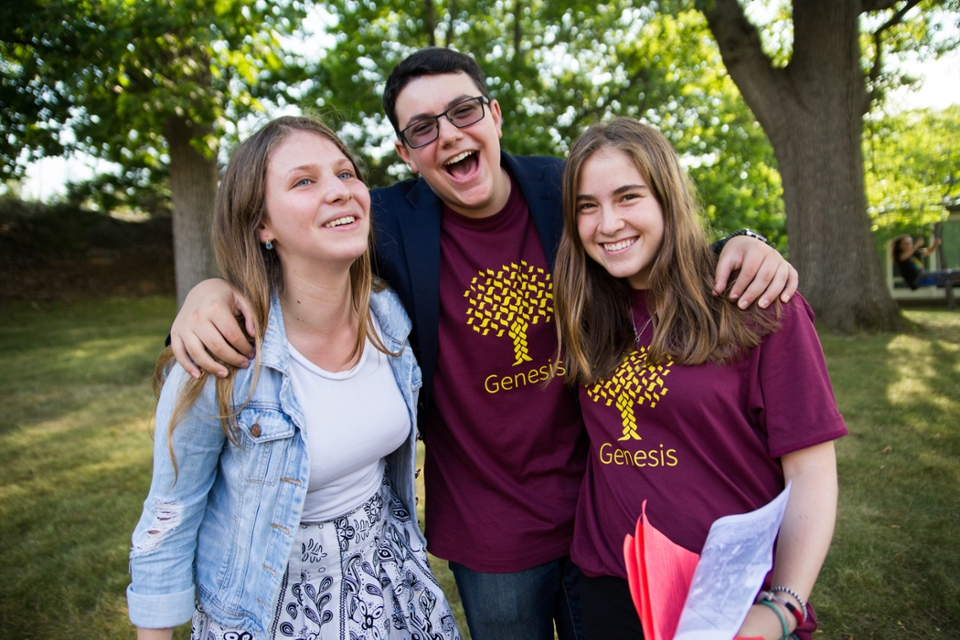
(514, 206)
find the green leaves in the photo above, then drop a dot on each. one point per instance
(912, 162)
(557, 67)
(111, 71)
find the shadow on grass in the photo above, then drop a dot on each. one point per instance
(75, 461)
(67, 508)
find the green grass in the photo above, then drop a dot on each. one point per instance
(75, 449)
(894, 567)
(75, 461)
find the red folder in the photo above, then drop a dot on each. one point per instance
(659, 573)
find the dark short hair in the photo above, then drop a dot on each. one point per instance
(431, 61)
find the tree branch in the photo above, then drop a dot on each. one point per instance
(867, 6)
(517, 31)
(740, 47)
(452, 10)
(431, 24)
(877, 65)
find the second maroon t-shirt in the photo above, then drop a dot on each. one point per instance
(505, 455)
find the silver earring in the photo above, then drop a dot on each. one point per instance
(268, 245)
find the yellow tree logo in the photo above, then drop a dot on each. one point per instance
(633, 383)
(510, 300)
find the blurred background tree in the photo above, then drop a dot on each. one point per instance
(912, 169)
(557, 67)
(152, 85)
(810, 93)
(112, 78)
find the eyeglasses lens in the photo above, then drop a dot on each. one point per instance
(461, 115)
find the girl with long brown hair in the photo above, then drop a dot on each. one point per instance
(282, 502)
(696, 408)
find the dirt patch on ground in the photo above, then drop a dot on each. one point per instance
(63, 253)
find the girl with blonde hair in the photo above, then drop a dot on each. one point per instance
(282, 503)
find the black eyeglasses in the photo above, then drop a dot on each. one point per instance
(425, 130)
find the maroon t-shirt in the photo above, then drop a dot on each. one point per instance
(504, 456)
(697, 442)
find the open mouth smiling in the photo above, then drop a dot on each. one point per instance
(462, 165)
(618, 246)
(339, 222)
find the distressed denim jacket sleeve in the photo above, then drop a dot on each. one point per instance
(161, 593)
(220, 529)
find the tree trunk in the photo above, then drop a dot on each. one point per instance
(431, 24)
(193, 183)
(812, 111)
(452, 11)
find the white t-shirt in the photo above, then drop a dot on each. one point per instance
(353, 420)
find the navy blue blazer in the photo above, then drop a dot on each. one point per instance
(406, 221)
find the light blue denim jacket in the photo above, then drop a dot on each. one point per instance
(223, 531)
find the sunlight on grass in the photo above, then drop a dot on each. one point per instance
(919, 362)
(76, 449)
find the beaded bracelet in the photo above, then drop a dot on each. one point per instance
(803, 605)
(789, 606)
(783, 621)
(772, 597)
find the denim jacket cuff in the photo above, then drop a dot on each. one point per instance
(160, 611)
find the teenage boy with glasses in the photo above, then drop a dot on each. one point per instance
(469, 245)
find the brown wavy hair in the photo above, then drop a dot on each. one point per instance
(594, 311)
(254, 271)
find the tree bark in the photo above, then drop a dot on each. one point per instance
(193, 184)
(812, 111)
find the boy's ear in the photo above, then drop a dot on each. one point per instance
(497, 116)
(404, 154)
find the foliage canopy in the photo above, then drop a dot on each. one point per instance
(912, 169)
(555, 68)
(104, 76)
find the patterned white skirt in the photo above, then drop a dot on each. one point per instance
(362, 576)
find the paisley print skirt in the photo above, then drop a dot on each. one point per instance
(362, 576)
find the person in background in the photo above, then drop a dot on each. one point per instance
(282, 503)
(908, 253)
(469, 246)
(691, 405)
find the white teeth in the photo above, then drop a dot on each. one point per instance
(340, 221)
(456, 159)
(623, 244)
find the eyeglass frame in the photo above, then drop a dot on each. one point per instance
(436, 120)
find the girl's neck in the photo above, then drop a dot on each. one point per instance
(320, 320)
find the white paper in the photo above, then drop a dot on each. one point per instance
(737, 555)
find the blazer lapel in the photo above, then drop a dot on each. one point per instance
(543, 202)
(420, 228)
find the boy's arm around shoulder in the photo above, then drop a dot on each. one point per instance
(207, 324)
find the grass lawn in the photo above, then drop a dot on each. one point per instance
(75, 459)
